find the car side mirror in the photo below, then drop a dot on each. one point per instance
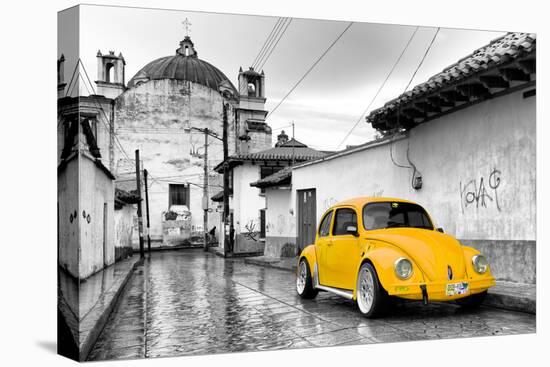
(440, 230)
(352, 230)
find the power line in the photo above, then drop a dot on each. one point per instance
(379, 89)
(111, 127)
(281, 34)
(69, 86)
(108, 124)
(268, 39)
(309, 70)
(423, 58)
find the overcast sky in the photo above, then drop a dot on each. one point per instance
(332, 97)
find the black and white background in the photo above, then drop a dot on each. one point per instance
(29, 182)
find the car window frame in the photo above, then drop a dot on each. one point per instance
(334, 221)
(403, 202)
(331, 213)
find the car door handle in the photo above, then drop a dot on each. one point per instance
(329, 243)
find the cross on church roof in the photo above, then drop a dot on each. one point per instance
(187, 25)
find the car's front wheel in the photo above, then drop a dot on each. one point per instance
(473, 301)
(304, 281)
(371, 297)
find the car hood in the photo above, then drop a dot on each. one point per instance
(433, 252)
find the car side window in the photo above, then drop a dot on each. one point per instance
(345, 217)
(324, 228)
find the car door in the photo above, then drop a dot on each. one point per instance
(322, 244)
(343, 251)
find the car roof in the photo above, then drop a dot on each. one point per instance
(360, 201)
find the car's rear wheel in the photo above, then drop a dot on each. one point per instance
(371, 297)
(304, 281)
(473, 301)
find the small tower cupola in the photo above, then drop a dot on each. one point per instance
(282, 138)
(251, 83)
(187, 48)
(110, 74)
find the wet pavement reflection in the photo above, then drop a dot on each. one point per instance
(190, 302)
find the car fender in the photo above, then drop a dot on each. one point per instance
(469, 253)
(309, 253)
(383, 256)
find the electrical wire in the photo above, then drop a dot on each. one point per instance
(422, 60)
(107, 125)
(411, 164)
(380, 88)
(309, 70)
(268, 40)
(110, 126)
(72, 77)
(260, 65)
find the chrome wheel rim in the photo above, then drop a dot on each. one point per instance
(301, 278)
(365, 290)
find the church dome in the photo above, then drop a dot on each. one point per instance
(185, 66)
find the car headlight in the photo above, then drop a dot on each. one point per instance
(480, 264)
(403, 268)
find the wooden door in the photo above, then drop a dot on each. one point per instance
(307, 217)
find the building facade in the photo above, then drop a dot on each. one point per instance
(248, 221)
(462, 145)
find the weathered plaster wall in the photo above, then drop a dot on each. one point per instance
(247, 203)
(96, 189)
(280, 223)
(155, 118)
(478, 169)
(124, 226)
(68, 219)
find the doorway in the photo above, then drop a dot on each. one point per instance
(307, 217)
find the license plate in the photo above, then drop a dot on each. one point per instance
(453, 289)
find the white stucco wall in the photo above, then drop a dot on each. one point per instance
(247, 200)
(493, 141)
(68, 218)
(96, 189)
(279, 221)
(124, 225)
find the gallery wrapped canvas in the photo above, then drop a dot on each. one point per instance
(233, 183)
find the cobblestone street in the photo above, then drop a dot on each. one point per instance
(191, 302)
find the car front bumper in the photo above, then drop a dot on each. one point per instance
(437, 290)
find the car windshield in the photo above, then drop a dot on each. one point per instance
(395, 214)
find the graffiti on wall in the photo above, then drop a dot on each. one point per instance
(481, 192)
(251, 231)
(327, 203)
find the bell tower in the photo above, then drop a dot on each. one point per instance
(254, 133)
(110, 74)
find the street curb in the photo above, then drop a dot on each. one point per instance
(495, 300)
(507, 302)
(87, 345)
(273, 265)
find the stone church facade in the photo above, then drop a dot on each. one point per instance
(158, 112)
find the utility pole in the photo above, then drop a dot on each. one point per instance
(140, 219)
(227, 246)
(293, 144)
(205, 190)
(227, 92)
(145, 173)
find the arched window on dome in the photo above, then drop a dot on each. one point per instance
(109, 73)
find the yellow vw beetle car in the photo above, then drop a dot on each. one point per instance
(371, 249)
